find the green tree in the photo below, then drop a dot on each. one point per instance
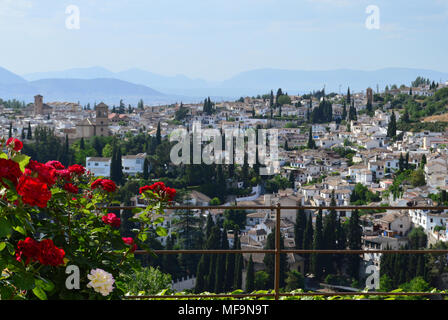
(299, 228)
(295, 280)
(261, 280)
(29, 133)
(311, 143)
(354, 243)
(317, 258)
(250, 276)
(308, 242)
(146, 169)
(269, 260)
(392, 126)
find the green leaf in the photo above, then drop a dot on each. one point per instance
(24, 281)
(3, 155)
(22, 160)
(38, 292)
(20, 229)
(6, 292)
(44, 284)
(5, 227)
(143, 237)
(2, 246)
(161, 231)
(158, 220)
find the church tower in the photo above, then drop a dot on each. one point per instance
(38, 104)
(102, 120)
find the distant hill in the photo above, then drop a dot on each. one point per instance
(258, 81)
(86, 90)
(295, 81)
(7, 77)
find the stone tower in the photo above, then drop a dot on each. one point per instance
(102, 120)
(38, 104)
(369, 93)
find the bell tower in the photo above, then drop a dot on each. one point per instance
(38, 104)
(102, 120)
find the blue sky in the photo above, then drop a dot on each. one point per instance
(215, 39)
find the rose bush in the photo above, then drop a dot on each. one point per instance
(52, 217)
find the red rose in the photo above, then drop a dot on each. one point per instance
(50, 254)
(77, 169)
(16, 144)
(29, 249)
(144, 189)
(170, 193)
(71, 188)
(33, 191)
(130, 241)
(9, 170)
(63, 173)
(105, 184)
(112, 220)
(45, 173)
(164, 192)
(55, 164)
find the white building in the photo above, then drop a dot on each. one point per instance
(133, 164)
(100, 167)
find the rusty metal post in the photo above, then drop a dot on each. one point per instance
(277, 252)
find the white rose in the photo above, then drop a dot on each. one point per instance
(101, 281)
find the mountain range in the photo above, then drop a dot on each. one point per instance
(100, 84)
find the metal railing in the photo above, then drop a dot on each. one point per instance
(278, 251)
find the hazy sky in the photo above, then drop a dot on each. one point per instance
(215, 39)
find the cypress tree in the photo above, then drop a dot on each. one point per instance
(209, 225)
(213, 242)
(146, 169)
(82, 145)
(29, 134)
(392, 126)
(221, 264)
(116, 168)
(311, 143)
(299, 228)
(308, 242)
(158, 134)
(200, 276)
(10, 130)
(316, 259)
(238, 278)
(344, 112)
(354, 243)
(230, 266)
(348, 96)
(169, 261)
(250, 276)
(269, 260)
(341, 244)
(329, 238)
(23, 134)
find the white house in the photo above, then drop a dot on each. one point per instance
(133, 164)
(100, 167)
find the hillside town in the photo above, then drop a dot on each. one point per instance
(355, 154)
